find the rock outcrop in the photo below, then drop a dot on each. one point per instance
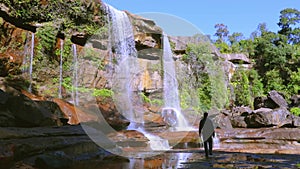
(146, 33)
(265, 117)
(272, 101)
(270, 111)
(263, 140)
(278, 117)
(47, 147)
(237, 58)
(21, 111)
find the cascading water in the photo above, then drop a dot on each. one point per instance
(31, 62)
(122, 42)
(171, 112)
(75, 75)
(61, 68)
(122, 38)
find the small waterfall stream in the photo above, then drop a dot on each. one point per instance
(75, 75)
(31, 62)
(61, 68)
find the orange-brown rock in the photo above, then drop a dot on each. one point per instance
(129, 138)
(110, 113)
(33, 96)
(12, 53)
(73, 113)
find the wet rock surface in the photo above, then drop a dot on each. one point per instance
(195, 159)
(70, 147)
(47, 147)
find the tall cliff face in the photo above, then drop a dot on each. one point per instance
(75, 22)
(58, 25)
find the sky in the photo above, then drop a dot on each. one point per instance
(239, 15)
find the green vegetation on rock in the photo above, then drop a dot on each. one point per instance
(295, 111)
(76, 15)
(102, 93)
(209, 79)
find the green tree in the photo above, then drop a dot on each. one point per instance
(210, 81)
(221, 32)
(274, 81)
(256, 85)
(294, 84)
(241, 85)
(234, 40)
(222, 38)
(289, 23)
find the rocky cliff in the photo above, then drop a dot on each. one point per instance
(40, 42)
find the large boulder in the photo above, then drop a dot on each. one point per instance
(222, 121)
(238, 122)
(276, 100)
(241, 111)
(266, 118)
(273, 100)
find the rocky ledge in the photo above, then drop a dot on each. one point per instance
(47, 147)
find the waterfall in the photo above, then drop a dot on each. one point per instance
(125, 55)
(61, 68)
(31, 62)
(75, 75)
(122, 42)
(171, 112)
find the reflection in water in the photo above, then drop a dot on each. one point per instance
(165, 161)
(196, 159)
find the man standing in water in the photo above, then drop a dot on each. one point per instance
(206, 128)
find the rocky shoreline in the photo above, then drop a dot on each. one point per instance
(63, 147)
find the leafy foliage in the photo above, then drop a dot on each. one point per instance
(102, 93)
(241, 86)
(289, 18)
(69, 16)
(295, 111)
(275, 56)
(209, 78)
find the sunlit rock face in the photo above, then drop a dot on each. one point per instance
(148, 42)
(180, 43)
(146, 33)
